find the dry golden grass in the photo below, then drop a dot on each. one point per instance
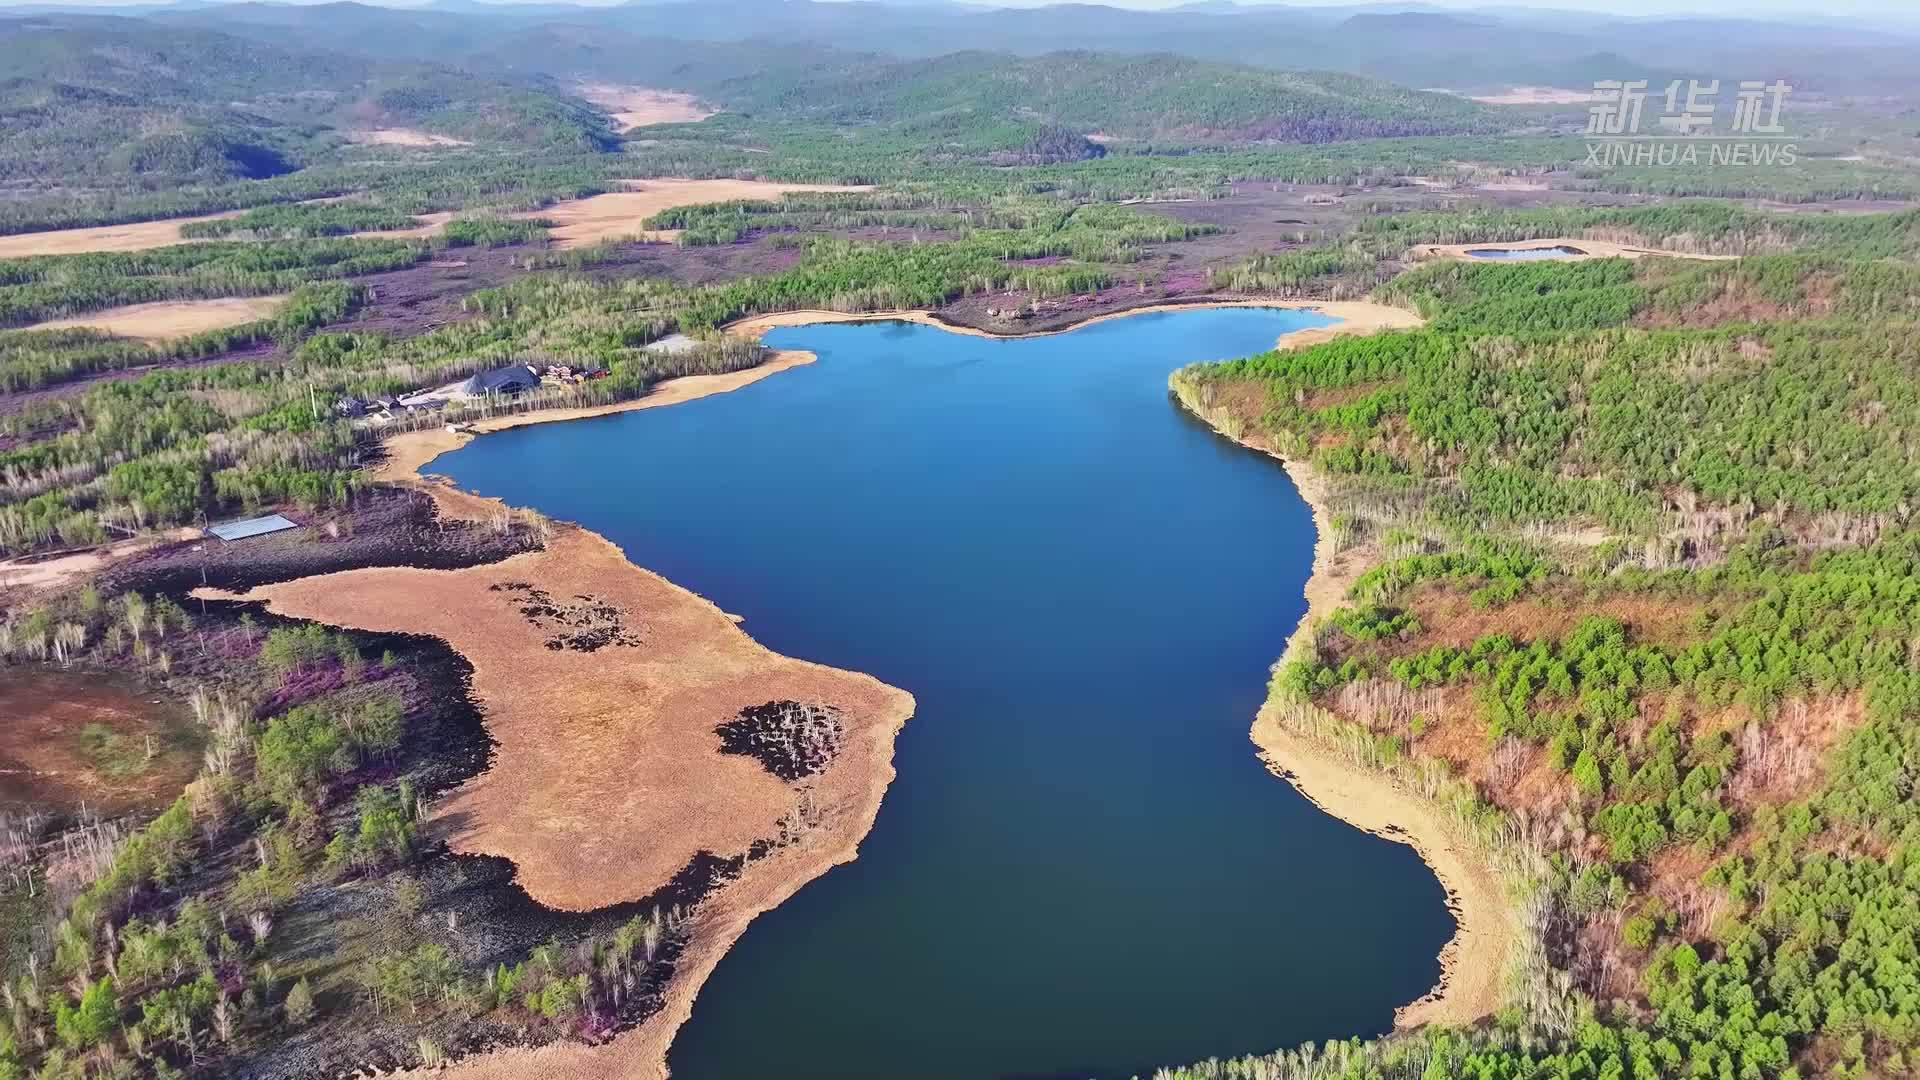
(78, 740)
(147, 235)
(618, 215)
(139, 236)
(587, 837)
(1448, 616)
(169, 319)
(637, 106)
(608, 776)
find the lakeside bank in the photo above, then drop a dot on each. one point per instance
(1475, 961)
(641, 1052)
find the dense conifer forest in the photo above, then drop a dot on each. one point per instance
(1640, 594)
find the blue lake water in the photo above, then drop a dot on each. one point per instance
(1525, 254)
(1081, 869)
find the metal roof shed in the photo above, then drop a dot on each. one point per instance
(245, 527)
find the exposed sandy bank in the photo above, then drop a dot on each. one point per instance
(642, 709)
(637, 106)
(1589, 249)
(618, 215)
(1356, 317)
(1473, 962)
(169, 319)
(583, 838)
(608, 776)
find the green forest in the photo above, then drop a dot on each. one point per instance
(1723, 704)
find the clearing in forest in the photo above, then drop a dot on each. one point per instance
(401, 137)
(147, 235)
(619, 215)
(83, 739)
(138, 236)
(637, 106)
(1535, 95)
(166, 320)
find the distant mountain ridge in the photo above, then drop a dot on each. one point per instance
(1412, 44)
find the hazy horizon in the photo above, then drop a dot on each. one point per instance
(1900, 9)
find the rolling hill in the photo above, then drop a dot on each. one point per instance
(92, 100)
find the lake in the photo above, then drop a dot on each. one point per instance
(1525, 254)
(1082, 869)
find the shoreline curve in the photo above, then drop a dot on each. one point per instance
(642, 1052)
(1474, 960)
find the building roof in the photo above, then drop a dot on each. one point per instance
(500, 380)
(242, 528)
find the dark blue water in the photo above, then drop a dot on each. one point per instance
(1081, 869)
(1525, 254)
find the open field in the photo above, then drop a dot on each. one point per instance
(637, 106)
(139, 236)
(169, 319)
(1535, 95)
(32, 573)
(584, 839)
(619, 214)
(80, 739)
(402, 137)
(147, 235)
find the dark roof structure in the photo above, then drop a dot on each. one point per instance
(506, 380)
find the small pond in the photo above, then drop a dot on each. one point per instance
(1525, 254)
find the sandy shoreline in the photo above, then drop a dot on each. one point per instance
(583, 838)
(766, 883)
(489, 814)
(1473, 962)
(1356, 317)
(409, 451)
